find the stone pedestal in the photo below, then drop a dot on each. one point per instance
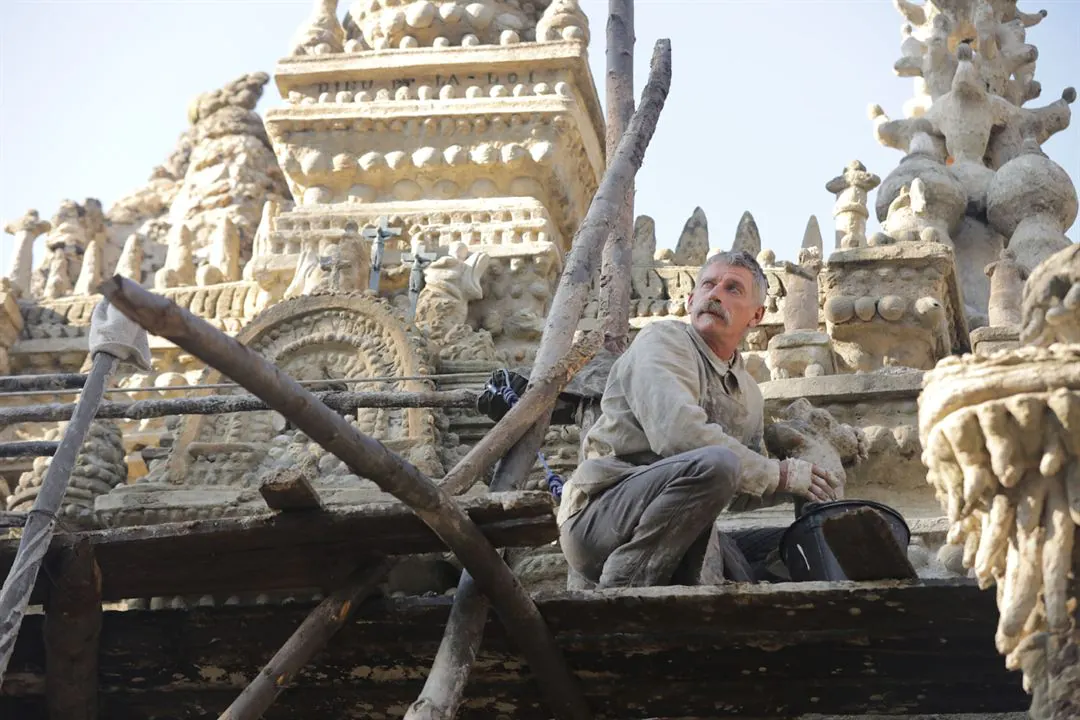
(988, 340)
(894, 305)
(800, 353)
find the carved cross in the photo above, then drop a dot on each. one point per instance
(378, 236)
(416, 276)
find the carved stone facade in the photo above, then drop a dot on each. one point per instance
(400, 219)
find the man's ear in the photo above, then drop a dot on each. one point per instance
(758, 316)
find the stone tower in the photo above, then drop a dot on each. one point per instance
(468, 127)
(974, 176)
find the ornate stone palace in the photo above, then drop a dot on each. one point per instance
(399, 221)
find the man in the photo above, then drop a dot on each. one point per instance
(679, 437)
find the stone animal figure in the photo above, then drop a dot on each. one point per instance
(802, 431)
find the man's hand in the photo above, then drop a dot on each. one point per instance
(804, 479)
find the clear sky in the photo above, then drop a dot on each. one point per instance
(768, 100)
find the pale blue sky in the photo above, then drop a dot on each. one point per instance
(768, 100)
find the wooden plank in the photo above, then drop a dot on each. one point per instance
(289, 489)
(72, 630)
(287, 551)
(749, 651)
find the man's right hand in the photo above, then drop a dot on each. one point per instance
(807, 480)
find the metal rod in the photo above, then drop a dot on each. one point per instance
(478, 375)
(29, 448)
(368, 458)
(38, 531)
(343, 402)
(53, 382)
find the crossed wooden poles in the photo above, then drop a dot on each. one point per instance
(512, 442)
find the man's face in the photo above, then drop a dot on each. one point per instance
(724, 304)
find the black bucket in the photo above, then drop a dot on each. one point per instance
(803, 548)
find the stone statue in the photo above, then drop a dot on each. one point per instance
(442, 308)
(26, 229)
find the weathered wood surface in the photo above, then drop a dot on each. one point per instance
(289, 490)
(310, 638)
(617, 257)
(72, 629)
(285, 550)
(738, 651)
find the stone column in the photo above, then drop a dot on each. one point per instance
(26, 229)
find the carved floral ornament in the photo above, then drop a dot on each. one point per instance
(319, 337)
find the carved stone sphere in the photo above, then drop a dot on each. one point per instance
(1026, 185)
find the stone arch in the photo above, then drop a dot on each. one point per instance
(324, 336)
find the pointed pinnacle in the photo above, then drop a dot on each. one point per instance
(747, 236)
(812, 235)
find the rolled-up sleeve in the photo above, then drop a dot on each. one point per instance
(663, 386)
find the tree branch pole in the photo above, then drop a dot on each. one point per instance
(312, 635)
(368, 458)
(38, 531)
(343, 402)
(445, 685)
(615, 280)
(535, 402)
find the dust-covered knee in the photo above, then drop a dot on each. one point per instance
(719, 471)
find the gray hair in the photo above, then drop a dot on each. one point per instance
(743, 259)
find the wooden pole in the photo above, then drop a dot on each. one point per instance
(573, 290)
(344, 402)
(537, 401)
(72, 629)
(40, 521)
(312, 635)
(445, 685)
(618, 251)
(368, 458)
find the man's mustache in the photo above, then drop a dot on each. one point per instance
(714, 307)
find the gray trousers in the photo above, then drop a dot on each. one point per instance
(639, 532)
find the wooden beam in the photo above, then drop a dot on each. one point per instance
(367, 457)
(289, 489)
(72, 629)
(762, 651)
(618, 250)
(343, 402)
(311, 637)
(284, 551)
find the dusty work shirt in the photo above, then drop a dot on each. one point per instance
(667, 394)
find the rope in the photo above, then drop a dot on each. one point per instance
(499, 385)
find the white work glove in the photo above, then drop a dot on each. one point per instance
(804, 479)
(113, 332)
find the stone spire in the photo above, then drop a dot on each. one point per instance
(747, 237)
(693, 245)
